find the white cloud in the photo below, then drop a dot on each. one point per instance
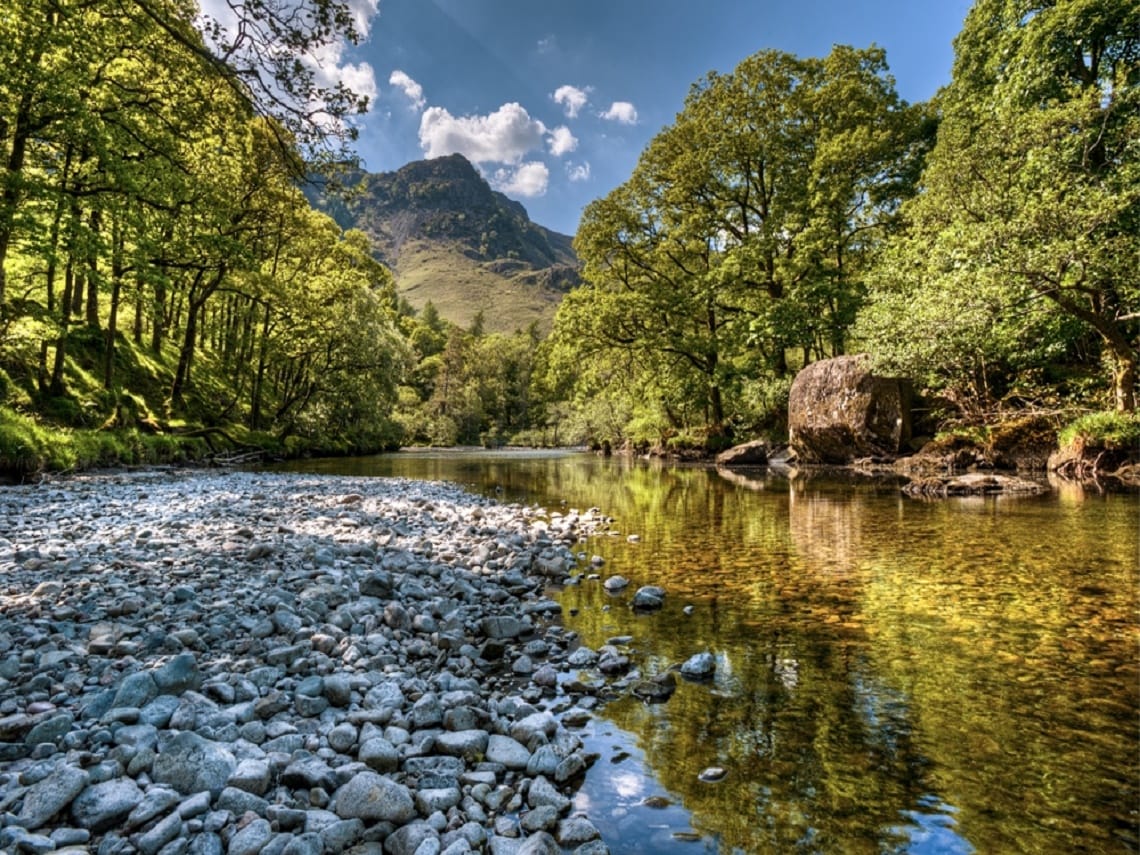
(578, 171)
(410, 88)
(327, 61)
(621, 111)
(571, 98)
(363, 11)
(330, 68)
(500, 137)
(562, 141)
(529, 179)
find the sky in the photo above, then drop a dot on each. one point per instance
(554, 101)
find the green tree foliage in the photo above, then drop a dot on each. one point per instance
(1026, 238)
(470, 387)
(741, 235)
(150, 164)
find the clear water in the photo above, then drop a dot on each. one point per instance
(893, 675)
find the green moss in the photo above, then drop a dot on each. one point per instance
(1107, 430)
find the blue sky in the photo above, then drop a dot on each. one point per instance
(554, 101)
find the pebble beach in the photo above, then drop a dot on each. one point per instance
(216, 662)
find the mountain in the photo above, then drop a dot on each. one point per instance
(451, 239)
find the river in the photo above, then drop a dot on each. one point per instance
(893, 675)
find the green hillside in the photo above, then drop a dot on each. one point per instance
(451, 240)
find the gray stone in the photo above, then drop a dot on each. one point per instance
(542, 792)
(136, 690)
(379, 754)
(341, 834)
(507, 751)
(378, 583)
(526, 729)
(251, 775)
(239, 802)
(103, 806)
(308, 771)
(162, 833)
(51, 729)
(468, 744)
(369, 796)
(309, 843)
(541, 818)
(502, 626)
(701, 666)
(407, 840)
(206, 844)
(251, 839)
(576, 830)
(342, 738)
(191, 764)
(156, 801)
(178, 675)
(158, 712)
(539, 844)
(48, 797)
(430, 800)
(648, 598)
(338, 690)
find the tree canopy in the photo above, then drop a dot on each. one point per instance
(743, 234)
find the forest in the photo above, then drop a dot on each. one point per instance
(167, 292)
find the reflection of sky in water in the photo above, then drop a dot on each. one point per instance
(931, 831)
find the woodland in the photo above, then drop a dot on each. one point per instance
(168, 293)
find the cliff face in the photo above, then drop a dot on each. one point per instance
(451, 239)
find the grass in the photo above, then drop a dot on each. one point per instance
(460, 287)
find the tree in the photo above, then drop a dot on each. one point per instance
(742, 232)
(1031, 199)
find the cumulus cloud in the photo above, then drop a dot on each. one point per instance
(409, 87)
(578, 171)
(562, 141)
(330, 67)
(529, 179)
(571, 98)
(504, 136)
(621, 111)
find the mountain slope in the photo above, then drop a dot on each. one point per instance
(452, 240)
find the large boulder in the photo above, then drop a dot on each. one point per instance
(838, 411)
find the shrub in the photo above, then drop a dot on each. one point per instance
(1107, 430)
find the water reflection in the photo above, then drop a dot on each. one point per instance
(893, 675)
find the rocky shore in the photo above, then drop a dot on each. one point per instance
(204, 662)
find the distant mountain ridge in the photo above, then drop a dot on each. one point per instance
(452, 240)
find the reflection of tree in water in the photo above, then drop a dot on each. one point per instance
(819, 754)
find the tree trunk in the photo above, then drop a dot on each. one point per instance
(259, 377)
(116, 290)
(1124, 382)
(93, 271)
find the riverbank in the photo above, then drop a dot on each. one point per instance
(208, 662)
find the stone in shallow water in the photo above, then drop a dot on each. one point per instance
(713, 774)
(702, 666)
(648, 598)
